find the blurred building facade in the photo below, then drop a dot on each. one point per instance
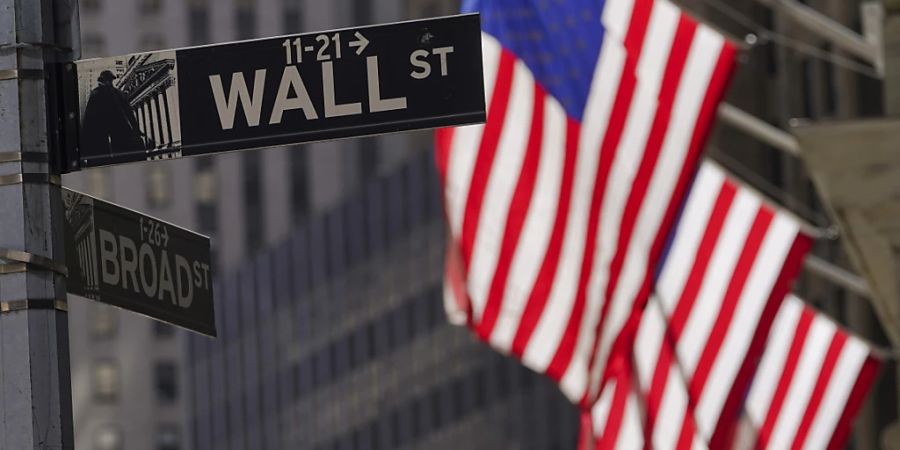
(336, 339)
(331, 327)
(131, 388)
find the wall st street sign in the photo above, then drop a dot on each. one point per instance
(126, 259)
(283, 90)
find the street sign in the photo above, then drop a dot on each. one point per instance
(123, 258)
(275, 91)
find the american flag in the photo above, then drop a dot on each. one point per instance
(558, 207)
(810, 384)
(624, 416)
(561, 206)
(730, 264)
(728, 267)
(720, 290)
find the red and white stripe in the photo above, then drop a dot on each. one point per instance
(730, 264)
(617, 418)
(810, 384)
(632, 239)
(731, 260)
(669, 420)
(558, 223)
(625, 416)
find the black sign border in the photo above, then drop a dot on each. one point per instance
(71, 160)
(122, 302)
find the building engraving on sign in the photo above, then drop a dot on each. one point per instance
(130, 105)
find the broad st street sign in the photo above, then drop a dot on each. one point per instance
(123, 258)
(276, 91)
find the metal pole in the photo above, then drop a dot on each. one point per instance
(758, 128)
(827, 29)
(839, 276)
(35, 386)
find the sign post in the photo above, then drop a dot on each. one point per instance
(277, 91)
(35, 384)
(123, 258)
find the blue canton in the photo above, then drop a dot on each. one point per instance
(559, 41)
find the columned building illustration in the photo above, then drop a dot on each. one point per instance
(151, 87)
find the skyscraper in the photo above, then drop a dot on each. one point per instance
(128, 372)
(336, 339)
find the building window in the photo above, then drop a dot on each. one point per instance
(205, 194)
(246, 19)
(370, 341)
(435, 400)
(398, 328)
(416, 417)
(159, 186)
(151, 41)
(90, 5)
(362, 12)
(163, 330)
(166, 377)
(104, 321)
(108, 437)
(375, 436)
(106, 381)
(97, 183)
(500, 375)
(93, 45)
(396, 437)
(253, 212)
(150, 7)
(198, 21)
(292, 16)
(479, 379)
(299, 183)
(367, 149)
(457, 394)
(206, 217)
(295, 377)
(168, 438)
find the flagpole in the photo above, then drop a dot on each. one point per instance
(828, 29)
(837, 275)
(759, 129)
(35, 378)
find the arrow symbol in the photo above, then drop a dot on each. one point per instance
(361, 42)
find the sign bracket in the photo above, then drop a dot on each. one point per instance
(35, 157)
(38, 261)
(19, 178)
(35, 303)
